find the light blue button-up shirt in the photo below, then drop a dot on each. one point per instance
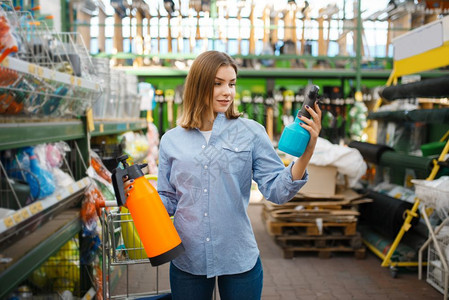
(206, 187)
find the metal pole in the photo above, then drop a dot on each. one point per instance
(359, 47)
(213, 15)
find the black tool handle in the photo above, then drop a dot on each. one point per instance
(310, 98)
(133, 172)
(117, 183)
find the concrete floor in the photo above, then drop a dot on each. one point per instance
(306, 276)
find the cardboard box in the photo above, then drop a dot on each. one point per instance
(322, 181)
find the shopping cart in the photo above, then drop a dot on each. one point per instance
(434, 195)
(121, 249)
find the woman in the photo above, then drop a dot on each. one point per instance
(206, 166)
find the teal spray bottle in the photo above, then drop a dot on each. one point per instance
(294, 138)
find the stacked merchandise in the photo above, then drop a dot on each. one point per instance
(119, 99)
(43, 73)
(103, 70)
(316, 219)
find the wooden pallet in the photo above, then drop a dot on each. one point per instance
(290, 252)
(311, 215)
(339, 202)
(324, 241)
(325, 246)
(310, 228)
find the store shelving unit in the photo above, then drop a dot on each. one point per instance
(33, 133)
(49, 74)
(55, 218)
(267, 73)
(34, 232)
(104, 127)
(412, 60)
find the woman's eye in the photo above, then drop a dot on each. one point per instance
(232, 84)
(217, 83)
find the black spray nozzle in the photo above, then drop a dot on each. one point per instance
(118, 174)
(122, 159)
(311, 95)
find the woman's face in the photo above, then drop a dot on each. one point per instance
(224, 89)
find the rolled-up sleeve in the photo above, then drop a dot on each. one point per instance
(274, 180)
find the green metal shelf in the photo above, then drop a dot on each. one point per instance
(41, 245)
(16, 135)
(281, 73)
(116, 127)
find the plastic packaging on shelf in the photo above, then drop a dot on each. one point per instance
(101, 176)
(99, 168)
(90, 224)
(27, 167)
(60, 273)
(153, 149)
(52, 155)
(8, 43)
(104, 73)
(10, 102)
(358, 121)
(136, 145)
(46, 64)
(120, 98)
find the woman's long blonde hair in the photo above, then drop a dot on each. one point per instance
(199, 89)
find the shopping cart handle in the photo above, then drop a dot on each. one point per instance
(107, 203)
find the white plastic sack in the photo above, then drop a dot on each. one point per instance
(348, 161)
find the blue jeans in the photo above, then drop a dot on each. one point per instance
(247, 285)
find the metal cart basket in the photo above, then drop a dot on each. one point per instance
(122, 248)
(435, 197)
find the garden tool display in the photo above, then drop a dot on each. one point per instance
(170, 98)
(278, 99)
(258, 108)
(158, 112)
(247, 108)
(269, 103)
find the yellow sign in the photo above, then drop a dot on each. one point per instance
(90, 120)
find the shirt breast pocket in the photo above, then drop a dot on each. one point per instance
(235, 159)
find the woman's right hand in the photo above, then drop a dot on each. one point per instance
(127, 186)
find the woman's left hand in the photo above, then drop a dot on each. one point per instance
(313, 126)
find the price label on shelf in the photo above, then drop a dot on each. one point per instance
(80, 184)
(40, 72)
(90, 120)
(58, 197)
(8, 222)
(72, 80)
(31, 68)
(36, 207)
(17, 217)
(70, 189)
(25, 214)
(78, 81)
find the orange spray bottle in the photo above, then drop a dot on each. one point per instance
(156, 230)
